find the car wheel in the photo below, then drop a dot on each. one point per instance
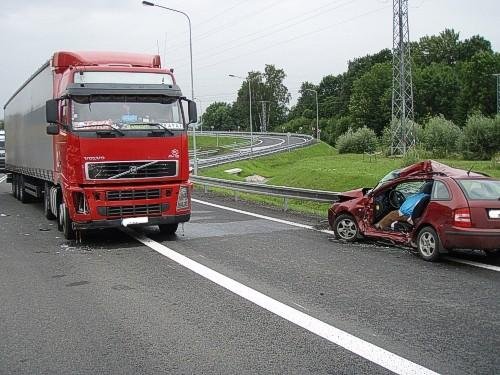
(346, 228)
(168, 229)
(428, 244)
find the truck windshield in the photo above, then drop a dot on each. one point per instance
(126, 116)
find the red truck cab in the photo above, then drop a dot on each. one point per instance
(118, 147)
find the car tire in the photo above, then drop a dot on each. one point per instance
(346, 228)
(168, 229)
(67, 223)
(428, 244)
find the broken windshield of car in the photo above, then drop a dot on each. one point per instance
(388, 177)
(125, 113)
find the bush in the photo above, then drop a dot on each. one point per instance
(481, 137)
(333, 128)
(387, 133)
(440, 136)
(357, 142)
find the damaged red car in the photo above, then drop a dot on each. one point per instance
(459, 209)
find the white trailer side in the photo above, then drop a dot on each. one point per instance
(29, 150)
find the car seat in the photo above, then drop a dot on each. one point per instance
(418, 210)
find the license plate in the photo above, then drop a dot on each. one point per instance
(494, 214)
(134, 220)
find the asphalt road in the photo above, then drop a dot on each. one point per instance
(113, 305)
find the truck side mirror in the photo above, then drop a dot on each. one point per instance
(52, 129)
(51, 111)
(192, 111)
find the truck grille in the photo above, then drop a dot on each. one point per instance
(139, 210)
(128, 170)
(123, 195)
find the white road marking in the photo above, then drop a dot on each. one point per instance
(371, 352)
(472, 263)
(2, 179)
(304, 226)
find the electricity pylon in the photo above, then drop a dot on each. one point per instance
(403, 129)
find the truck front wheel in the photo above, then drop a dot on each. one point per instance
(46, 202)
(168, 229)
(66, 222)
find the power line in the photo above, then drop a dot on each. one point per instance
(292, 39)
(175, 35)
(227, 25)
(314, 13)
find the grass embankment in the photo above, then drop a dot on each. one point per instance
(209, 142)
(321, 167)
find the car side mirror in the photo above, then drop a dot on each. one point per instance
(52, 129)
(192, 112)
(51, 111)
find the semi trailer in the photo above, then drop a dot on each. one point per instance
(101, 138)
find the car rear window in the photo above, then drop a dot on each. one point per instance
(481, 189)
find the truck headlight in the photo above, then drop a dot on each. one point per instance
(183, 199)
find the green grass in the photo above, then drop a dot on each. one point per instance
(321, 167)
(206, 142)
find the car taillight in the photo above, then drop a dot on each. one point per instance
(461, 218)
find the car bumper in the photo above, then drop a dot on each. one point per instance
(471, 238)
(115, 223)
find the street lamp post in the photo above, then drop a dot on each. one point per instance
(317, 112)
(250, 101)
(148, 3)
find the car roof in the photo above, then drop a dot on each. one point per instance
(431, 167)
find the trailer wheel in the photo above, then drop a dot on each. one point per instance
(168, 229)
(46, 203)
(23, 197)
(67, 223)
(14, 185)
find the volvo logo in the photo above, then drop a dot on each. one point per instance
(132, 169)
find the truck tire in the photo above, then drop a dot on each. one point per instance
(14, 185)
(168, 229)
(66, 222)
(46, 203)
(23, 197)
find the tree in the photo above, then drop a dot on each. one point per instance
(218, 116)
(478, 86)
(436, 89)
(443, 49)
(370, 103)
(269, 87)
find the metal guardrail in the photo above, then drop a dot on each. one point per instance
(275, 191)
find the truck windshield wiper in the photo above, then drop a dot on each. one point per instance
(112, 127)
(157, 124)
(99, 128)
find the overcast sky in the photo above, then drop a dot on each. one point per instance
(308, 39)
